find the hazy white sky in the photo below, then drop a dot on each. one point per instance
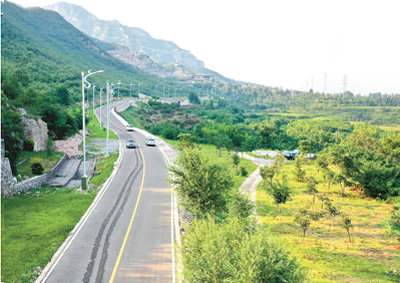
(286, 43)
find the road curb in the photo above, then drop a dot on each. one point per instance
(60, 251)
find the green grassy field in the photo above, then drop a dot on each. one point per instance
(104, 167)
(48, 162)
(225, 158)
(93, 126)
(34, 225)
(326, 251)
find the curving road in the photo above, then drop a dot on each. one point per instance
(127, 235)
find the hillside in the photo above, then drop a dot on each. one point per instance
(179, 63)
(138, 40)
(52, 51)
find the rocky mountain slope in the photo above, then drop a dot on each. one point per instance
(161, 51)
(135, 46)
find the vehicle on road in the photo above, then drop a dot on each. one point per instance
(150, 142)
(130, 128)
(131, 144)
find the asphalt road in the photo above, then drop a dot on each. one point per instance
(127, 237)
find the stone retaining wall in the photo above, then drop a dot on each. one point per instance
(31, 183)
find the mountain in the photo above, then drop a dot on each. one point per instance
(144, 62)
(161, 51)
(52, 51)
(177, 63)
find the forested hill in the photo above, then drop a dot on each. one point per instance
(52, 51)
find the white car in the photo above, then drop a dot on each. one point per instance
(150, 142)
(130, 128)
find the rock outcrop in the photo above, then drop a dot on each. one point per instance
(35, 130)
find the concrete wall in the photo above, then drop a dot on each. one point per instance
(32, 183)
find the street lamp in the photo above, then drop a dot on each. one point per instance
(119, 83)
(110, 91)
(86, 84)
(101, 90)
(94, 86)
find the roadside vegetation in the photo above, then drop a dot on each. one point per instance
(27, 157)
(340, 215)
(221, 243)
(34, 225)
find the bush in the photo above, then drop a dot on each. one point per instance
(36, 166)
(28, 145)
(243, 171)
(235, 251)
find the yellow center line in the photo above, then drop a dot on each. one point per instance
(130, 223)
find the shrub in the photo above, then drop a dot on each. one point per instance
(28, 145)
(36, 166)
(243, 171)
(234, 251)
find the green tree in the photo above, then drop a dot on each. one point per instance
(394, 222)
(298, 169)
(346, 223)
(63, 95)
(305, 217)
(240, 207)
(341, 179)
(201, 185)
(267, 172)
(49, 146)
(329, 176)
(333, 211)
(235, 160)
(11, 132)
(193, 98)
(280, 191)
(312, 186)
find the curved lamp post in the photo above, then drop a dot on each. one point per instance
(110, 91)
(85, 84)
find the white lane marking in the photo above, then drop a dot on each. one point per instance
(86, 215)
(174, 212)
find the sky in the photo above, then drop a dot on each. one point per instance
(293, 44)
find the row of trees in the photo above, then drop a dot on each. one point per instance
(281, 193)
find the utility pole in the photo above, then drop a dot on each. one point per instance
(138, 89)
(101, 90)
(119, 83)
(108, 116)
(86, 84)
(345, 81)
(94, 86)
(325, 84)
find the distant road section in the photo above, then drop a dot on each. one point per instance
(126, 237)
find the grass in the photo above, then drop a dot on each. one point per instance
(104, 167)
(48, 162)
(224, 158)
(326, 251)
(34, 225)
(93, 126)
